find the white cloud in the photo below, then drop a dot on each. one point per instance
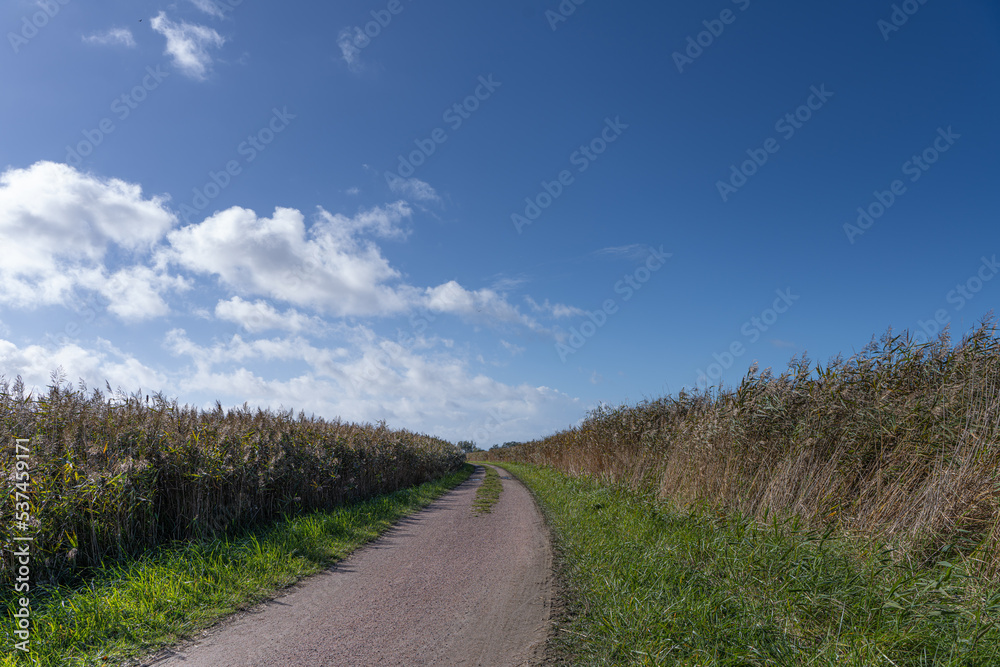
(481, 305)
(634, 252)
(58, 224)
(36, 363)
(427, 386)
(556, 310)
(347, 40)
(135, 292)
(332, 269)
(122, 36)
(261, 316)
(512, 348)
(62, 228)
(424, 387)
(188, 45)
(413, 188)
(209, 7)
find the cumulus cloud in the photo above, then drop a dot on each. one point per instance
(58, 224)
(66, 231)
(188, 45)
(113, 36)
(423, 386)
(482, 305)
(332, 269)
(262, 316)
(97, 365)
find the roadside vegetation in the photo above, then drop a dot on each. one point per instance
(134, 607)
(488, 493)
(900, 443)
(113, 478)
(870, 485)
(648, 583)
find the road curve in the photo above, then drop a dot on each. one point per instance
(443, 587)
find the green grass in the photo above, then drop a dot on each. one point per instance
(488, 493)
(137, 607)
(647, 585)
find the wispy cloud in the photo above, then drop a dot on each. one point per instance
(633, 251)
(348, 47)
(508, 283)
(209, 7)
(554, 309)
(112, 37)
(513, 349)
(414, 188)
(188, 45)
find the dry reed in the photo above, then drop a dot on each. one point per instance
(898, 442)
(113, 476)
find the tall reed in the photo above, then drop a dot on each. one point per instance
(899, 441)
(114, 475)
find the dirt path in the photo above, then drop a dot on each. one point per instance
(443, 587)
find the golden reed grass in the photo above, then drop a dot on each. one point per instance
(898, 442)
(113, 476)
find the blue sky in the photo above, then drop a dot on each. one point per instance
(480, 220)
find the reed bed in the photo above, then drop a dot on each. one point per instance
(898, 442)
(114, 475)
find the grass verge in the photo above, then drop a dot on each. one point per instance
(135, 608)
(488, 493)
(645, 585)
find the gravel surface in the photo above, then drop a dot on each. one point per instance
(443, 587)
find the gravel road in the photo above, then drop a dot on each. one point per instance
(443, 587)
